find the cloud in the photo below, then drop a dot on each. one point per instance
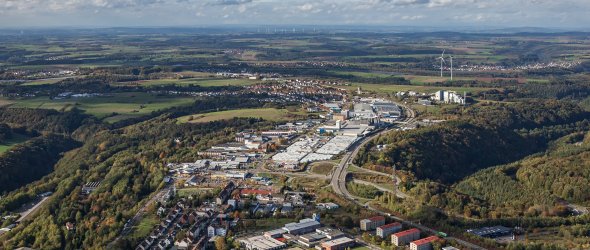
(412, 18)
(57, 5)
(428, 3)
(231, 2)
(203, 12)
(404, 2)
(305, 7)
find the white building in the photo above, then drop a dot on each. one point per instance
(262, 243)
(445, 96)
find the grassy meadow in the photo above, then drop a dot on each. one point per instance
(270, 114)
(8, 144)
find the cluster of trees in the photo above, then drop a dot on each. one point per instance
(45, 120)
(572, 88)
(392, 79)
(524, 115)
(5, 132)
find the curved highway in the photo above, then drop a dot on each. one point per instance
(338, 180)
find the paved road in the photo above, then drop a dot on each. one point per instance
(338, 183)
(26, 213)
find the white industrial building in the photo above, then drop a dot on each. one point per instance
(302, 227)
(262, 243)
(296, 151)
(316, 157)
(337, 145)
(445, 96)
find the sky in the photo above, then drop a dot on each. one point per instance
(198, 13)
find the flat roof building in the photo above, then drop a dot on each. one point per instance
(277, 233)
(338, 244)
(301, 227)
(311, 239)
(262, 243)
(330, 233)
(491, 232)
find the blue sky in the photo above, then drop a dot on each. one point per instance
(439, 13)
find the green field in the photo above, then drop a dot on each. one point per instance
(145, 226)
(186, 192)
(112, 108)
(8, 144)
(203, 82)
(427, 110)
(43, 81)
(363, 74)
(270, 114)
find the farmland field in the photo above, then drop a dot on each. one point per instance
(270, 114)
(116, 106)
(203, 82)
(43, 81)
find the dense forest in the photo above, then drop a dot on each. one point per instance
(31, 160)
(5, 132)
(560, 174)
(45, 120)
(449, 152)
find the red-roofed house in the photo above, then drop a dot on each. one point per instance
(423, 244)
(245, 192)
(372, 223)
(404, 237)
(386, 230)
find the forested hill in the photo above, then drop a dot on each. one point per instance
(35, 157)
(32, 160)
(45, 120)
(524, 115)
(485, 136)
(560, 174)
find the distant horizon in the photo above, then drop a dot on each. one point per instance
(447, 14)
(310, 28)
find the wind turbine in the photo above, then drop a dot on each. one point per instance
(442, 60)
(451, 57)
